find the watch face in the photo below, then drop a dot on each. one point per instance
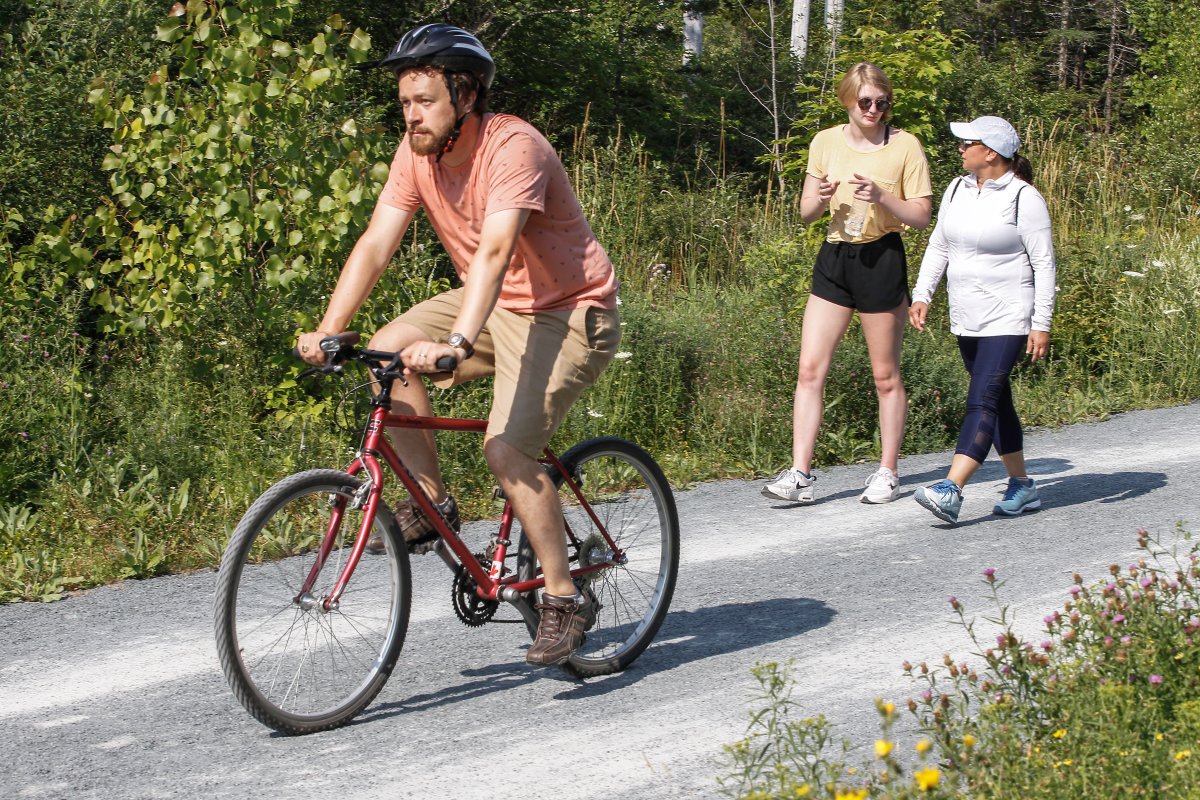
(456, 340)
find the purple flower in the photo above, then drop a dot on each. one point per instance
(1049, 620)
(23, 434)
(1156, 679)
(1047, 645)
(990, 574)
(927, 696)
(1074, 590)
(1108, 641)
(1118, 619)
(954, 603)
(1147, 582)
(1001, 640)
(1126, 639)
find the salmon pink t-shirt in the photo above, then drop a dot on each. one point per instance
(557, 263)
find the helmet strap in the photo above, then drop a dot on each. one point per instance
(454, 134)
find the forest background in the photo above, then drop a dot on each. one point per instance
(181, 184)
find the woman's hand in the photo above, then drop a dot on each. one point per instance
(866, 189)
(309, 347)
(826, 188)
(1037, 344)
(916, 314)
(422, 357)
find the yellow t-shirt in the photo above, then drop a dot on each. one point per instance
(898, 167)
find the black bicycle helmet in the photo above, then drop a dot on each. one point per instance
(440, 45)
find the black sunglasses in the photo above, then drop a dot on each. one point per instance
(882, 104)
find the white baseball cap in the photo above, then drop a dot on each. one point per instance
(994, 132)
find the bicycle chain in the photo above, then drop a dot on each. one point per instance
(471, 609)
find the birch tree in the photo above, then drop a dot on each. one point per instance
(800, 18)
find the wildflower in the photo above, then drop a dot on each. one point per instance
(1155, 680)
(1159, 264)
(1060, 733)
(888, 709)
(1047, 645)
(954, 603)
(1182, 754)
(923, 746)
(927, 778)
(23, 434)
(1118, 619)
(1133, 274)
(927, 696)
(1158, 737)
(624, 354)
(594, 413)
(968, 741)
(1074, 590)
(851, 794)
(882, 748)
(990, 575)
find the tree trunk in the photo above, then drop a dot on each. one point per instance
(800, 19)
(834, 11)
(1111, 71)
(1064, 24)
(693, 37)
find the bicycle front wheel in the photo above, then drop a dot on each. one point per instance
(295, 665)
(632, 500)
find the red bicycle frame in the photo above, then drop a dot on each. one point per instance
(490, 582)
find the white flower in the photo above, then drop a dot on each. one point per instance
(1129, 208)
(1130, 246)
(1133, 274)
(1137, 217)
(1169, 311)
(594, 413)
(624, 354)
(1159, 264)
(619, 303)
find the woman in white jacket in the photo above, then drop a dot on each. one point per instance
(993, 243)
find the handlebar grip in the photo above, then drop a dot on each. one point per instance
(447, 363)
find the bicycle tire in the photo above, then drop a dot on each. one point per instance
(632, 498)
(294, 666)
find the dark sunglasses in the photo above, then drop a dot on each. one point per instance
(967, 144)
(882, 104)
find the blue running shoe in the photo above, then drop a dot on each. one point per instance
(943, 498)
(1018, 497)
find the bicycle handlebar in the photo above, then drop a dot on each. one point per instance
(340, 348)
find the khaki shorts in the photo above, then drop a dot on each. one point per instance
(542, 362)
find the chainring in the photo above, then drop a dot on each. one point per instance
(471, 609)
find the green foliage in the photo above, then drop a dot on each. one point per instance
(1104, 707)
(232, 176)
(49, 52)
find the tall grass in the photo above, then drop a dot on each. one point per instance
(119, 448)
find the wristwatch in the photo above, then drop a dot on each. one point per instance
(460, 341)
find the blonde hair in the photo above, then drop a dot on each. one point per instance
(863, 74)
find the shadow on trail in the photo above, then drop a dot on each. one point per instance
(1069, 490)
(685, 636)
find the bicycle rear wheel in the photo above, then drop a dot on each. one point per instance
(632, 500)
(295, 666)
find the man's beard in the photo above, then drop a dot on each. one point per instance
(429, 145)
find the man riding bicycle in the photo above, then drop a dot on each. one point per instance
(537, 308)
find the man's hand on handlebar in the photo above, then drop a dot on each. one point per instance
(423, 357)
(309, 348)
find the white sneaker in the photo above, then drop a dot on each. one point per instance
(791, 484)
(882, 487)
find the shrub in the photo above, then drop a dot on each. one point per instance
(1103, 707)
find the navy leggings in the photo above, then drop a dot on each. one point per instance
(991, 415)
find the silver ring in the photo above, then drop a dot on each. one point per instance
(303, 348)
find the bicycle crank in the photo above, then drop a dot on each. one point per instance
(471, 609)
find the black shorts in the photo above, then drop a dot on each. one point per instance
(871, 277)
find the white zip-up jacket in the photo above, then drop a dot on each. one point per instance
(997, 254)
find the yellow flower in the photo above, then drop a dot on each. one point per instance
(1060, 733)
(802, 790)
(1182, 754)
(882, 748)
(1158, 737)
(923, 746)
(888, 709)
(927, 778)
(852, 794)
(968, 741)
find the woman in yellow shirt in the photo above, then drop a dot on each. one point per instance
(874, 180)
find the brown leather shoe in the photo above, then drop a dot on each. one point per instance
(561, 628)
(419, 533)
